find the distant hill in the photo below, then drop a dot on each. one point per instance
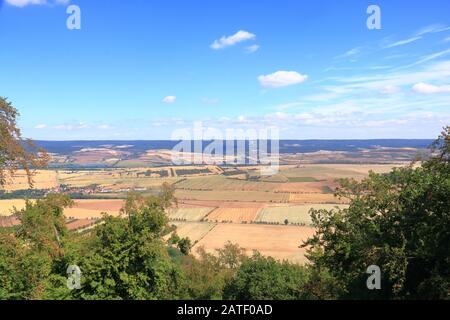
(286, 146)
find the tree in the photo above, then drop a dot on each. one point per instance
(129, 259)
(15, 152)
(263, 278)
(184, 245)
(207, 274)
(33, 257)
(399, 221)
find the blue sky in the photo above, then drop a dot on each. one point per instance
(141, 69)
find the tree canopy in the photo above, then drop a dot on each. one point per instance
(15, 152)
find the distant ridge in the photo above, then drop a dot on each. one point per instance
(286, 146)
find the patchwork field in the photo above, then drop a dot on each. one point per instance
(115, 179)
(314, 198)
(279, 242)
(188, 214)
(195, 231)
(235, 215)
(293, 214)
(219, 182)
(257, 196)
(333, 171)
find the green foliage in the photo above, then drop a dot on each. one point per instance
(399, 221)
(263, 278)
(34, 251)
(184, 245)
(129, 259)
(208, 273)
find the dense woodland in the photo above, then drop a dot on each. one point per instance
(399, 221)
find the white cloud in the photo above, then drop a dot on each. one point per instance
(70, 127)
(252, 48)
(41, 126)
(239, 36)
(281, 79)
(23, 3)
(169, 99)
(429, 88)
(447, 39)
(403, 42)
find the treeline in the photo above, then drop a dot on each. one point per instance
(399, 222)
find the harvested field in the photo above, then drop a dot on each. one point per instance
(188, 214)
(216, 182)
(193, 230)
(235, 215)
(294, 214)
(279, 242)
(100, 204)
(335, 171)
(222, 204)
(87, 209)
(6, 206)
(114, 179)
(81, 224)
(257, 196)
(42, 179)
(8, 222)
(323, 198)
(304, 187)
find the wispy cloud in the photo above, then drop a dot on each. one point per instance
(350, 53)
(403, 42)
(227, 41)
(434, 28)
(430, 57)
(24, 3)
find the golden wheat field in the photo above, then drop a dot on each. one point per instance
(279, 242)
(6, 206)
(235, 215)
(42, 179)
